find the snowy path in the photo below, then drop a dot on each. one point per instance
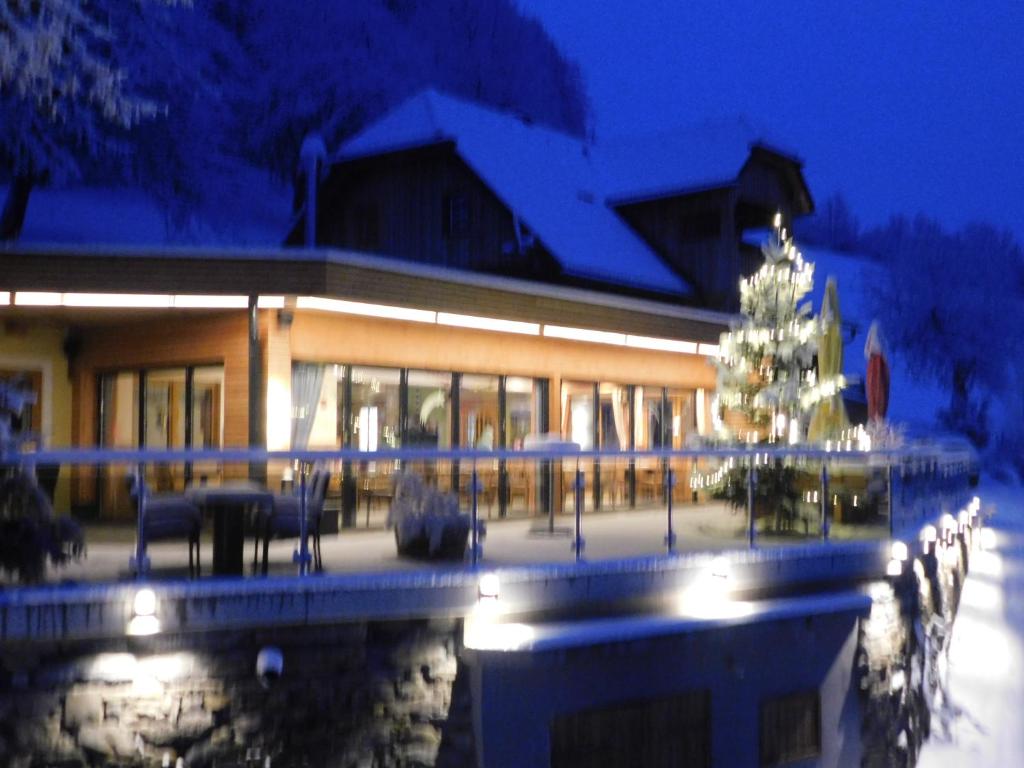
(983, 724)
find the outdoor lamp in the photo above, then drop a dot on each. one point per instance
(489, 587)
(144, 620)
(899, 551)
(929, 535)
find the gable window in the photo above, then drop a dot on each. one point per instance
(790, 728)
(457, 220)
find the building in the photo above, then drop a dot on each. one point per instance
(447, 182)
(528, 288)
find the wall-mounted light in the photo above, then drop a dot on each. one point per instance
(584, 334)
(144, 620)
(384, 311)
(662, 345)
(489, 587)
(899, 551)
(488, 323)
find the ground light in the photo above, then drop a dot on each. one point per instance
(144, 620)
(898, 555)
(484, 629)
(709, 595)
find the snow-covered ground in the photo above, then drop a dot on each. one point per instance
(981, 722)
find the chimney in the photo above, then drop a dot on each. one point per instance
(311, 158)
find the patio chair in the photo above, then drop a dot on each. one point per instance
(282, 520)
(170, 516)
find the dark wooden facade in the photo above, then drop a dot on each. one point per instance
(427, 205)
(700, 233)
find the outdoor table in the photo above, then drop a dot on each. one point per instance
(227, 504)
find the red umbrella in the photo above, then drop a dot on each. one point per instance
(877, 383)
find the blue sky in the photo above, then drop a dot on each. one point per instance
(902, 106)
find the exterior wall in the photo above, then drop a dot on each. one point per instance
(517, 695)
(405, 193)
(351, 694)
(349, 339)
(216, 339)
(35, 347)
(708, 259)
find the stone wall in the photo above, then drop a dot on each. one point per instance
(362, 694)
(901, 654)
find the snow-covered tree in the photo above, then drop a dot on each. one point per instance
(832, 225)
(66, 95)
(332, 67)
(766, 364)
(951, 305)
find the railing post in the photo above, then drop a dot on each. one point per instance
(751, 485)
(824, 500)
(301, 555)
(670, 537)
(139, 562)
(579, 487)
(474, 537)
(889, 493)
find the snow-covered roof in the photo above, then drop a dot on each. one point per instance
(702, 156)
(550, 180)
(128, 216)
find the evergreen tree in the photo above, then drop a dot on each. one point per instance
(766, 364)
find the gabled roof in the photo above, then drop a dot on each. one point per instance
(548, 179)
(707, 155)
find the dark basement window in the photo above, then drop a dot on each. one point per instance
(790, 728)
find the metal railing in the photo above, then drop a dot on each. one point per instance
(908, 485)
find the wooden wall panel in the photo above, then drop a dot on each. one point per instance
(215, 339)
(321, 337)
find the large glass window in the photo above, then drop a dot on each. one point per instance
(208, 406)
(479, 412)
(578, 413)
(119, 410)
(522, 410)
(430, 410)
(165, 409)
(376, 410)
(616, 418)
(179, 407)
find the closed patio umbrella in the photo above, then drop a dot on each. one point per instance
(830, 414)
(877, 383)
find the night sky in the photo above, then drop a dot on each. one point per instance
(904, 109)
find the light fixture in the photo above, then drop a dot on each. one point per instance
(384, 311)
(899, 551)
(662, 345)
(195, 301)
(584, 334)
(489, 587)
(711, 350)
(129, 300)
(488, 323)
(895, 568)
(270, 302)
(144, 620)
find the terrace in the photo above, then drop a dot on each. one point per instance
(830, 498)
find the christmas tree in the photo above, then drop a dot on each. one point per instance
(766, 361)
